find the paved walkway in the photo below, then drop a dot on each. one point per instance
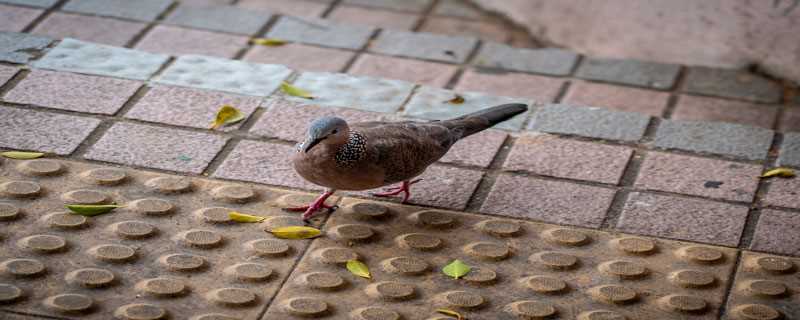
(638, 166)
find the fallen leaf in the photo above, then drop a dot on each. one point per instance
(241, 217)
(458, 99)
(269, 42)
(456, 269)
(227, 115)
(295, 91)
(22, 155)
(295, 232)
(779, 172)
(358, 268)
(451, 313)
(90, 210)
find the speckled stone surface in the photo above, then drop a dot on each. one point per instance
(289, 120)
(320, 32)
(301, 57)
(296, 8)
(684, 219)
(737, 84)
(146, 10)
(777, 232)
(218, 18)
(783, 193)
(178, 41)
(699, 176)
(723, 110)
(790, 120)
(416, 71)
(486, 29)
(548, 201)
(15, 19)
(6, 73)
(510, 84)
(456, 8)
(628, 99)
(84, 57)
(262, 162)
(404, 5)
(110, 31)
(426, 46)
(189, 107)
(434, 104)
(384, 19)
(630, 72)
(41, 131)
(32, 3)
(341, 90)
(155, 147)
(790, 150)
(20, 47)
(548, 155)
(549, 61)
(589, 122)
(476, 150)
(726, 139)
(224, 75)
(74, 92)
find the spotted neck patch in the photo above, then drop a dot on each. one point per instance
(351, 152)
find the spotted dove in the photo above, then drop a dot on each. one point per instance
(368, 155)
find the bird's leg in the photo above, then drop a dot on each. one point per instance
(404, 188)
(315, 206)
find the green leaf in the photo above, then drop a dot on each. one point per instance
(269, 42)
(451, 313)
(227, 115)
(295, 91)
(358, 268)
(779, 172)
(90, 210)
(456, 269)
(295, 232)
(22, 155)
(246, 218)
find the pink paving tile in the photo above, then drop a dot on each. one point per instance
(548, 201)
(189, 107)
(6, 73)
(179, 41)
(43, 131)
(301, 57)
(487, 30)
(75, 92)
(783, 193)
(699, 176)
(373, 17)
(776, 232)
(617, 98)
(109, 31)
(477, 150)
(550, 156)
(288, 120)
(790, 120)
(206, 2)
(13, 18)
(683, 219)
(712, 109)
(263, 162)
(297, 8)
(417, 71)
(541, 89)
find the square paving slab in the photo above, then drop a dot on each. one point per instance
(224, 75)
(727, 139)
(591, 122)
(84, 57)
(43, 131)
(545, 61)
(426, 46)
(218, 18)
(341, 90)
(145, 10)
(21, 47)
(321, 32)
(435, 104)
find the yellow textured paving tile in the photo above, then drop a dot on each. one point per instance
(767, 287)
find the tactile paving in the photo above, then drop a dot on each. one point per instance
(521, 270)
(766, 287)
(170, 253)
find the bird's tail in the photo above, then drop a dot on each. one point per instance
(481, 120)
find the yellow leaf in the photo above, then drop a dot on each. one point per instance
(779, 172)
(269, 42)
(295, 232)
(451, 313)
(227, 115)
(241, 217)
(358, 268)
(458, 99)
(22, 155)
(91, 209)
(456, 269)
(295, 91)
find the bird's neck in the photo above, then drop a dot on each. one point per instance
(352, 151)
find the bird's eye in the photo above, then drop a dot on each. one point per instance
(334, 131)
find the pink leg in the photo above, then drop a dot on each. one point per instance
(315, 206)
(404, 188)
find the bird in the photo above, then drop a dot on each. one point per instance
(369, 155)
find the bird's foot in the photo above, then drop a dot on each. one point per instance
(404, 188)
(314, 207)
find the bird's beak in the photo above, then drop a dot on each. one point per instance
(310, 143)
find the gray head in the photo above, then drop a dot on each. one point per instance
(325, 130)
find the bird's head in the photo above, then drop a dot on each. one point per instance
(330, 130)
